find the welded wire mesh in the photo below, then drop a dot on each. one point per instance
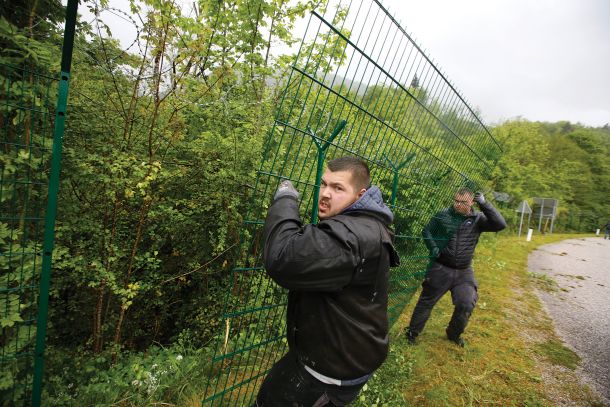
(359, 86)
(26, 122)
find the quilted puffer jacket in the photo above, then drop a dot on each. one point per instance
(456, 236)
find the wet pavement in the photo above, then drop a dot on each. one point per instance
(580, 307)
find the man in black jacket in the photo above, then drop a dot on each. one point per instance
(451, 237)
(337, 276)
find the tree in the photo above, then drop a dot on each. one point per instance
(556, 160)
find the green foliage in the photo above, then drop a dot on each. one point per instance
(565, 161)
(173, 374)
(25, 91)
(30, 33)
(155, 176)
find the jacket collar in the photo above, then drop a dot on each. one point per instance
(453, 212)
(372, 201)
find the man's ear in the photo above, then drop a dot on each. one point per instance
(361, 192)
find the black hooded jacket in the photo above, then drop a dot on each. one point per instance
(456, 236)
(337, 273)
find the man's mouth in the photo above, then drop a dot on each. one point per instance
(323, 206)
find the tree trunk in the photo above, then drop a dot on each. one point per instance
(97, 319)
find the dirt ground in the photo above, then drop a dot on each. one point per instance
(580, 304)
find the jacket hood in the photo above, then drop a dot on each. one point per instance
(372, 201)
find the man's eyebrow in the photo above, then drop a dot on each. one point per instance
(332, 183)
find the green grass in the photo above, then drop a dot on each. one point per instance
(512, 356)
(556, 353)
(543, 281)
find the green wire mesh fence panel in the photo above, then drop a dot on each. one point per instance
(32, 116)
(26, 144)
(359, 86)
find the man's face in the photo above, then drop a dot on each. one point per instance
(336, 193)
(462, 203)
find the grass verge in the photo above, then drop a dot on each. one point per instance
(512, 357)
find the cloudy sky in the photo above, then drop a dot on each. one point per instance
(546, 60)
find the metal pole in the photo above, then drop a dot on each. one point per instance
(396, 170)
(521, 223)
(321, 155)
(49, 232)
(316, 191)
(394, 187)
(541, 211)
(553, 218)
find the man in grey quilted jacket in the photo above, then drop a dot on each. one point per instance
(451, 237)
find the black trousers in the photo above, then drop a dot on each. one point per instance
(288, 384)
(438, 281)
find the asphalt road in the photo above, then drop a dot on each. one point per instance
(580, 308)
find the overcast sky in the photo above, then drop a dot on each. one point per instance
(546, 60)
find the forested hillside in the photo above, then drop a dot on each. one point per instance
(161, 149)
(565, 161)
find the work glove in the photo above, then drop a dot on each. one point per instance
(479, 198)
(286, 189)
(435, 252)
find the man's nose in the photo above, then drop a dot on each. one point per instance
(325, 192)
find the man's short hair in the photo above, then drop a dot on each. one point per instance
(361, 176)
(465, 191)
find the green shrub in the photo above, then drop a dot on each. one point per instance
(171, 374)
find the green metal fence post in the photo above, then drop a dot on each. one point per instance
(396, 169)
(49, 233)
(321, 155)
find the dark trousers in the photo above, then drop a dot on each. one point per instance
(288, 384)
(438, 281)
